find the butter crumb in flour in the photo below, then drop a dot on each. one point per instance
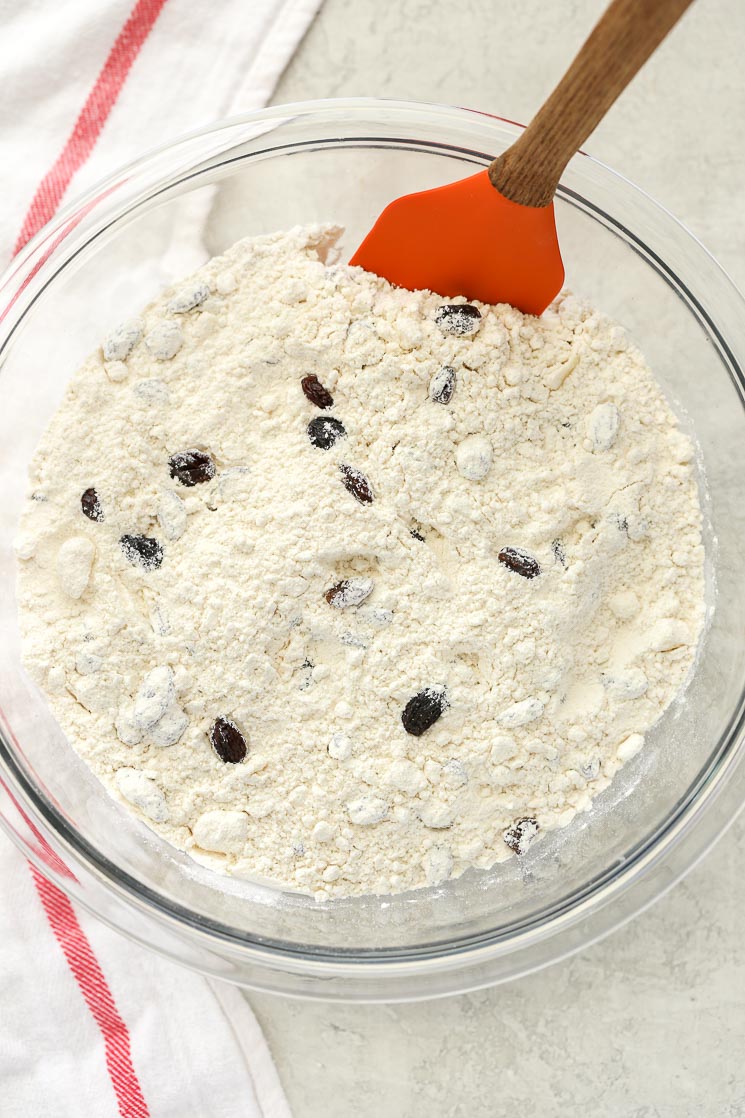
(351, 587)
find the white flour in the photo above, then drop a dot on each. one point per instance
(306, 606)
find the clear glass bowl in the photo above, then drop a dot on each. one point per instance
(100, 260)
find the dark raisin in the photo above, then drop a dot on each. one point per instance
(323, 431)
(521, 834)
(352, 640)
(91, 505)
(142, 551)
(357, 484)
(560, 554)
(306, 675)
(591, 769)
(423, 710)
(349, 592)
(316, 393)
(191, 467)
(228, 742)
(458, 318)
(442, 385)
(519, 561)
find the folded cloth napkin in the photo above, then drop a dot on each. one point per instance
(92, 1025)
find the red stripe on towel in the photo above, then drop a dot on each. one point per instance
(59, 911)
(93, 116)
(98, 997)
(85, 969)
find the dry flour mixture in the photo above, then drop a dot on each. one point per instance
(352, 588)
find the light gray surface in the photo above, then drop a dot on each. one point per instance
(650, 1023)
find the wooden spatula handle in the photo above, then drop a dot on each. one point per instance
(621, 42)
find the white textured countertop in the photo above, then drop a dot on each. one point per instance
(651, 1022)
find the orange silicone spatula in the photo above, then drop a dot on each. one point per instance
(492, 236)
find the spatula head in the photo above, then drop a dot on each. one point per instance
(467, 239)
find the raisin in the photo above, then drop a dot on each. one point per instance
(306, 675)
(603, 426)
(458, 318)
(164, 341)
(442, 385)
(520, 562)
(423, 710)
(591, 769)
(352, 640)
(91, 505)
(357, 484)
(349, 592)
(189, 298)
(473, 457)
(559, 551)
(143, 551)
(228, 742)
(316, 393)
(340, 746)
(191, 467)
(521, 834)
(122, 340)
(324, 431)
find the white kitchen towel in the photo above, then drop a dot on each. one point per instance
(88, 86)
(90, 1024)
